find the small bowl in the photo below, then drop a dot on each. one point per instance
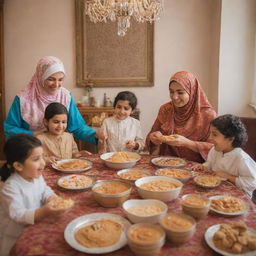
(122, 164)
(149, 206)
(145, 239)
(163, 195)
(177, 173)
(195, 205)
(132, 174)
(111, 199)
(207, 181)
(179, 234)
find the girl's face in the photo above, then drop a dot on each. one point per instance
(122, 109)
(178, 95)
(57, 124)
(53, 83)
(221, 143)
(33, 166)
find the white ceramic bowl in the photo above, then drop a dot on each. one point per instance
(166, 195)
(177, 173)
(126, 174)
(120, 165)
(147, 216)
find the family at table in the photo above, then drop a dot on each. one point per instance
(43, 123)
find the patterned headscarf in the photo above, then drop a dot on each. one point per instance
(34, 99)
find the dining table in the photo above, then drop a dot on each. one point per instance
(47, 236)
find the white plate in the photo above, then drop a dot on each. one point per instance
(55, 165)
(228, 213)
(208, 235)
(70, 177)
(88, 219)
(155, 160)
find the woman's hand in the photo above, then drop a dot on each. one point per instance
(101, 134)
(178, 141)
(131, 144)
(155, 137)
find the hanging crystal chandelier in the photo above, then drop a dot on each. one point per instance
(122, 11)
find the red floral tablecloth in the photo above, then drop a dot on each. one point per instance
(46, 237)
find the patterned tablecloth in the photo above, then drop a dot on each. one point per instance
(46, 237)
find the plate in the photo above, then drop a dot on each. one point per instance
(197, 178)
(74, 181)
(169, 161)
(228, 213)
(57, 164)
(88, 219)
(208, 235)
(137, 172)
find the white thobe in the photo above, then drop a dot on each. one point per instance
(237, 163)
(19, 200)
(119, 131)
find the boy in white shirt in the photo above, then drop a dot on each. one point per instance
(123, 132)
(226, 158)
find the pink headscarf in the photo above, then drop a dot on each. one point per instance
(34, 99)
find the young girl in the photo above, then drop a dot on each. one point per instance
(25, 197)
(58, 144)
(123, 132)
(226, 158)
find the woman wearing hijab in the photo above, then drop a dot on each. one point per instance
(187, 116)
(27, 111)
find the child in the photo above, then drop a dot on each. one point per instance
(25, 197)
(58, 144)
(123, 132)
(226, 158)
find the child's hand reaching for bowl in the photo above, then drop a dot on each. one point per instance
(131, 144)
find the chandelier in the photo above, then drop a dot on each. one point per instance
(122, 11)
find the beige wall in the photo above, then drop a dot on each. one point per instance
(237, 47)
(186, 38)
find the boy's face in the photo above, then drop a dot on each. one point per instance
(221, 143)
(57, 124)
(122, 109)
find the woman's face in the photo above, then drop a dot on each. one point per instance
(53, 83)
(178, 95)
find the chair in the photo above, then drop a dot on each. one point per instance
(250, 146)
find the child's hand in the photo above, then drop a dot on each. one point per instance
(52, 159)
(131, 144)
(226, 175)
(82, 153)
(155, 137)
(101, 134)
(199, 167)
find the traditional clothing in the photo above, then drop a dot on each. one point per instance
(191, 121)
(27, 111)
(237, 163)
(19, 200)
(119, 131)
(63, 146)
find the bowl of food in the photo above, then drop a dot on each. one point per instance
(120, 160)
(158, 187)
(59, 203)
(132, 174)
(145, 239)
(179, 227)
(207, 181)
(144, 210)
(177, 173)
(111, 193)
(195, 205)
(169, 161)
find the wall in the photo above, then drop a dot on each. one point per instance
(185, 39)
(237, 47)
